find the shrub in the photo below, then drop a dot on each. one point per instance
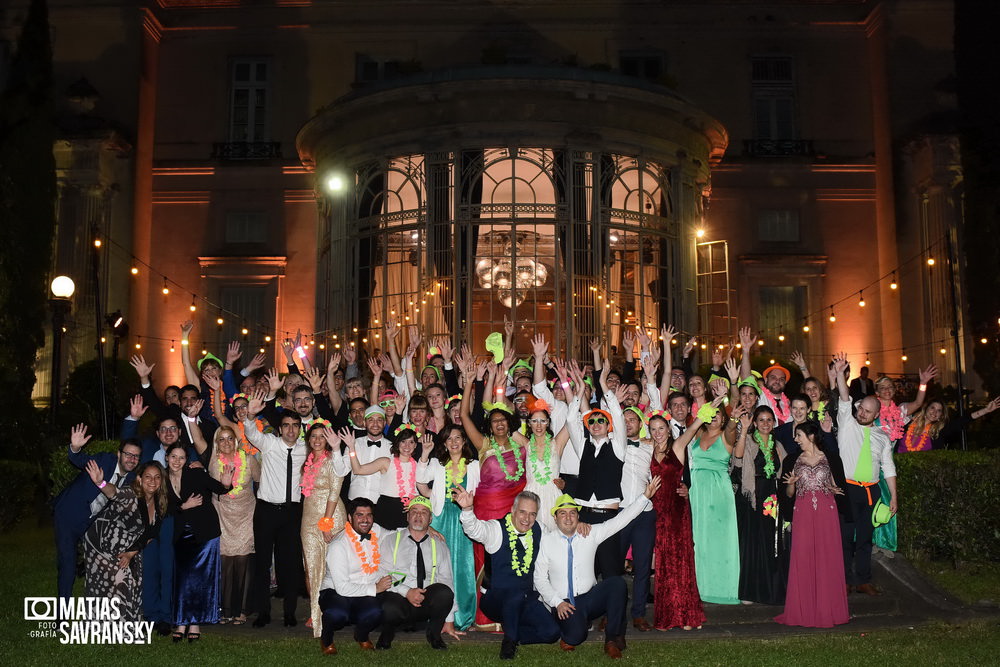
(19, 489)
(62, 472)
(947, 502)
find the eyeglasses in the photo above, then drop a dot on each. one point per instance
(596, 420)
(386, 404)
(130, 455)
(518, 401)
(539, 421)
(169, 429)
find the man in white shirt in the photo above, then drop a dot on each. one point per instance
(277, 517)
(564, 574)
(865, 450)
(355, 576)
(640, 532)
(512, 543)
(373, 445)
(422, 584)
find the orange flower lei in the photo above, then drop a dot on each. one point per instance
(367, 568)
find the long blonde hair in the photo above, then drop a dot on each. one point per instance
(161, 493)
(920, 419)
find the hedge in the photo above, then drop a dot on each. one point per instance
(62, 472)
(948, 505)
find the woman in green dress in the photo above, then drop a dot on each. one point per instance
(710, 439)
(452, 463)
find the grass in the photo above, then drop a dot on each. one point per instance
(28, 555)
(973, 583)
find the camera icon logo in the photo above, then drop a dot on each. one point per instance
(40, 609)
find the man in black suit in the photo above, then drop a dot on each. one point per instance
(81, 500)
(861, 386)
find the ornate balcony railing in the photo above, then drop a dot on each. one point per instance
(246, 150)
(777, 147)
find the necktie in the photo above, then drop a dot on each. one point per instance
(288, 477)
(421, 568)
(569, 570)
(777, 402)
(680, 430)
(863, 470)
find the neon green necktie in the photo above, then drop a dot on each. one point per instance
(863, 470)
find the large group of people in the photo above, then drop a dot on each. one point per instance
(456, 492)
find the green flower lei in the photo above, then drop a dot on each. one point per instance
(503, 464)
(545, 477)
(451, 481)
(768, 450)
(520, 568)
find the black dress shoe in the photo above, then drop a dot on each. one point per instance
(384, 642)
(508, 649)
(290, 621)
(262, 620)
(437, 643)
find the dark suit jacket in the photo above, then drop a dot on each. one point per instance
(72, 505)
(203, 520)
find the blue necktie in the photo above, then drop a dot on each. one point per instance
(569, 570)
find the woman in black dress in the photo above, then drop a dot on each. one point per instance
(197, 577)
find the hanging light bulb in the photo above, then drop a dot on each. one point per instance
(833, 318)
(983, 341)
(805, 328)
(904, 357)
(943, 351)
(171, 346)
(245, 331)
(930, 261)
(166, 290)
(861, 299)
(781, 337)
(135, 270)
(868, 361)
(138, 343)
(893, 285)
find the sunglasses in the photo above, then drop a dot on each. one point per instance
(386, 404)
(518, 401)
(596, 420)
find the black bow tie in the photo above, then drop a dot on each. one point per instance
(374, 443)
(634, 443)
(365, 536)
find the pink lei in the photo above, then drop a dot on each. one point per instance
(890, 418)
(312, 468)
(782, 412)
(406, 489)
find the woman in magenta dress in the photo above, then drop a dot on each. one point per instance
(676, 600)
(817, 592)
(501, 477)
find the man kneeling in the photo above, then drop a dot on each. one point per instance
(354, 577)
(564, 574)
(421, 580)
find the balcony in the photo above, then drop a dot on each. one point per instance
(778, 148)
(246, 150)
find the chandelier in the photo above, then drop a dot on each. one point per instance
(511, 279)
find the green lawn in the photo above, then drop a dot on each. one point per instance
(28, 556)
(972, 582)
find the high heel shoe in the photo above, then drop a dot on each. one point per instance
(193, 637)
(178, 636)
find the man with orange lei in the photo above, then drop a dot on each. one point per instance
(354, 577)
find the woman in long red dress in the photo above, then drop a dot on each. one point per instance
(501, 477)
(676, 602)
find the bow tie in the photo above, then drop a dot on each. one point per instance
(374, 443)
(633, 443)
(521, 534)
(365, 536)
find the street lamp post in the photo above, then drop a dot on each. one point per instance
(62, 288)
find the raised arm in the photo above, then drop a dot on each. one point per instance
(475, 437)
(220, 415)
(190, 374)
(926, 375)
(800, 361)
(747, 340)
(358, 468)
(667, 333)
(539, 348)
(839, 365)
(336, 402)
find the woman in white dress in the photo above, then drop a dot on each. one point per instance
(544, 450)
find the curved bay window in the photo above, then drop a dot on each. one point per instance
(575, 244)
(440, 220)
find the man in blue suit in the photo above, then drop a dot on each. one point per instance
(81, 500)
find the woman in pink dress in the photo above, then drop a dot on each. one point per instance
(817, 589)
(502, 466)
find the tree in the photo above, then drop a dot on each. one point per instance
(27, 222)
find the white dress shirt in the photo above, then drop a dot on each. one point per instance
(850, 439)
(551, 563)
(635, 472)
(432, 473)
(343, 567)
(399, 554)
(491, 534)
(274, 464)
(615, 439)
(367, 486)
